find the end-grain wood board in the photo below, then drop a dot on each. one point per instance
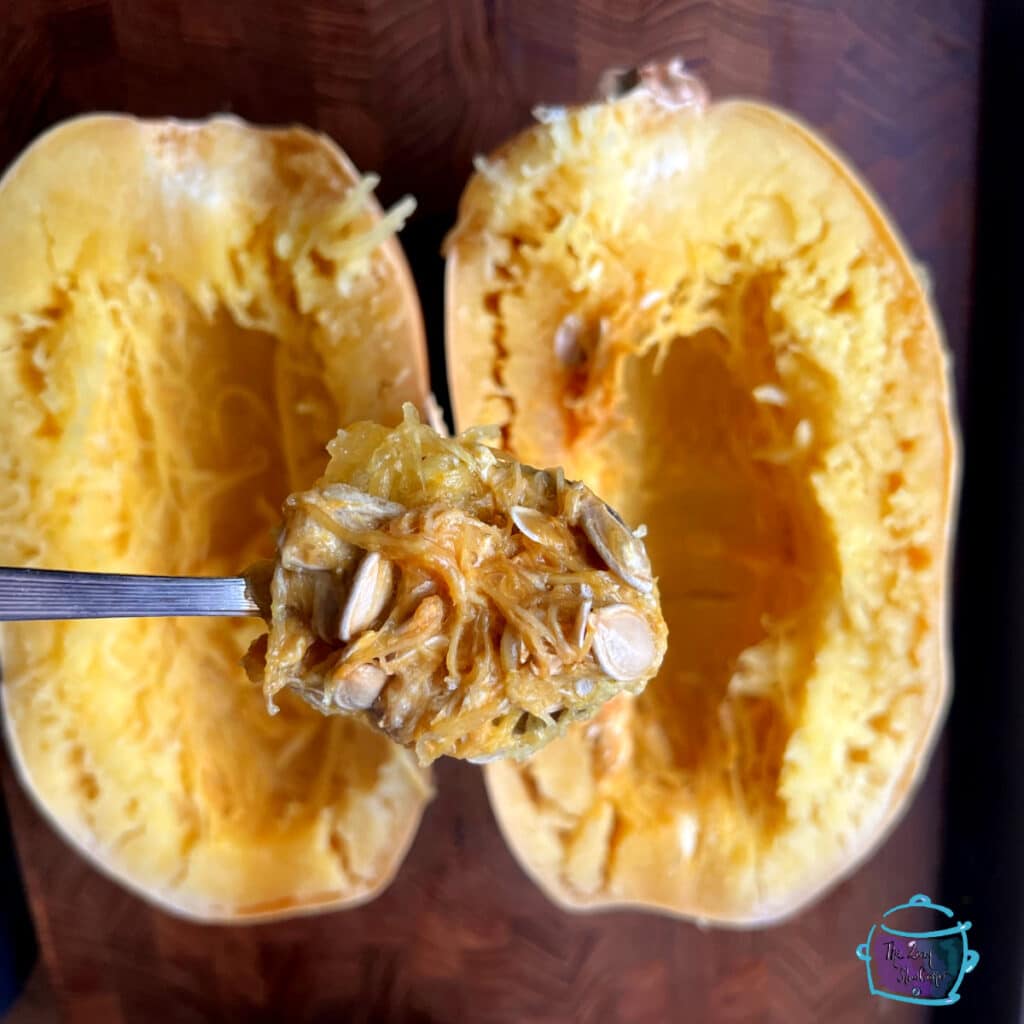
(414, 89)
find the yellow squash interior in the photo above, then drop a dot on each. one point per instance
(757, 376)
(187, 313)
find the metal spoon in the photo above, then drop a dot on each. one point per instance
(47, 594)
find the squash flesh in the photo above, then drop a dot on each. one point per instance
(187, 313)
(764, 388)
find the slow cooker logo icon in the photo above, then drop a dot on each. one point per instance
(918, 966)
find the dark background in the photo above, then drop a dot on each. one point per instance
(413, 89)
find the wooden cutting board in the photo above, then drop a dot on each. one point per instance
(413, 89)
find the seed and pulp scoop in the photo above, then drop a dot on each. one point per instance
(461, 602)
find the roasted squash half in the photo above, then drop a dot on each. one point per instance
(699, 309)
(188, 311)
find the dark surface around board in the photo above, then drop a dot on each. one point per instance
(983, 858)
(414, 89)
(17, 939)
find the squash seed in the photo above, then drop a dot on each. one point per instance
(541, 529)
(369, 593)
(623, 642)
(357, 688)
(486, 758)
(358, 507)
(568, 338)
(623, 553)
(309, 545)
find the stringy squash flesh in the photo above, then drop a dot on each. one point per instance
(187, 312)
(699, 310)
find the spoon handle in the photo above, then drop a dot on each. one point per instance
(38, 594)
